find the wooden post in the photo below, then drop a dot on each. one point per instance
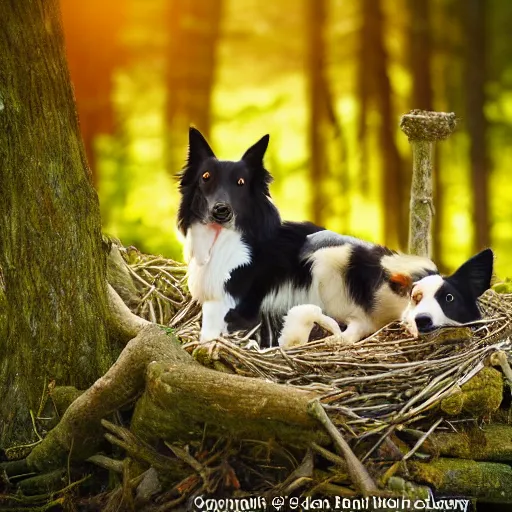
(423, 128)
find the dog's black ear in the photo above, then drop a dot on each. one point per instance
(254, 155)
(475, 275)
(198, 148)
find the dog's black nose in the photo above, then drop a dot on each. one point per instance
(424, 322)
(222, 212)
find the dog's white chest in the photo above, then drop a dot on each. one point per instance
(212, 253)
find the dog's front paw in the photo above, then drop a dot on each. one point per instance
(208, 335)
(236, 322)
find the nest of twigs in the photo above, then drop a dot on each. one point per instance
(384, 380)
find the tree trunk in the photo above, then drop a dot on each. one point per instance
(393, 197)
(473, 13)
(315, 20)
(53, 266)
(194, 29)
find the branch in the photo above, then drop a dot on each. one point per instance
(423, 128)
(357, 471)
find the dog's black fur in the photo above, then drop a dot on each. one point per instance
(275, 246)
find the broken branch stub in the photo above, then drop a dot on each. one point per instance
(423, 128)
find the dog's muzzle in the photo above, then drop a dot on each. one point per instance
(222, 213)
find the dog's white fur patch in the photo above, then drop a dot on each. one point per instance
(428, 305)
(279, 301)
(212, 254)
(329, 284)
(299, 322)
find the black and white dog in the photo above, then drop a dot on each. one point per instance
(243, 261)
(434, 302)
(437, 301)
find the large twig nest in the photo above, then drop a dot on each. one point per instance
(387, 379)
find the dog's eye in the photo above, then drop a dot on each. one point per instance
(449, 298)
(240, 182)
(206, 176)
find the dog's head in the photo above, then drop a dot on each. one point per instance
(223, 192)
(437, 301)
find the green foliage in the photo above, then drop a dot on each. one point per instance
(260, 87)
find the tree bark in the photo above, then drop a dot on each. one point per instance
(474, 17)
(53, 266)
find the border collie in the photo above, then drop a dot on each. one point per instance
(243, 261)
(434, 302)
(437, 301)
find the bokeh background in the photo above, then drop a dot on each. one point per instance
(328, 79)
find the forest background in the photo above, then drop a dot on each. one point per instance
(328, 79)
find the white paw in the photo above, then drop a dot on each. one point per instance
(209, 335)
(299, 322)
(252, 345)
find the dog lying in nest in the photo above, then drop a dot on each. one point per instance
(434, 302)
(244, 262)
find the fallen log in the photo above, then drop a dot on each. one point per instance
(179, 400)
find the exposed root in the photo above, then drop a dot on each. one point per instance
(80, 428)
(122, 322)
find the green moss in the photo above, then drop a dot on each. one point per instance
(492, 443)
(483, 480)
(503, 286)
(454, 403)
(480, 396)
(63, 396)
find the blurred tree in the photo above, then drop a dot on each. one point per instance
(474, 16)
(319, 111)
(92, 31)
(420, 60)
(52, 263)
(375, 76)
(193, 28)
(363, 93)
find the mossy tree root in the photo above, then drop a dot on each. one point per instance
(79, 432)
(180, 397)
(179, 400)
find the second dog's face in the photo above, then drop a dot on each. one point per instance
(217, 191)
(437, 301)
